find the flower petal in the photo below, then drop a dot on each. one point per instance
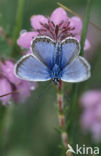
(25, 39)
(96, 131)
(35, 21)
(7, 68)
(77, 23)
(24, 91)
(87, 119)
(5, 88)
(59, 15)
(90, 98)
(87, 43)
(97, 110)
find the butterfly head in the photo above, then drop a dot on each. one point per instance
(56, 81)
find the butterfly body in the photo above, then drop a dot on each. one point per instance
(57, 54)
(53, 60)
(55, 72)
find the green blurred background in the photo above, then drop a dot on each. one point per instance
(30, 128)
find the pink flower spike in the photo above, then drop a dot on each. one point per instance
(58, 27)
(98, 111)
(58, 16)
(5, 88)
(10, 83)
(25, 39)
(24, 91)
(87, 119)
(90, 98)
(37, 20)
(87, 45)
(7, 68)
(76, 22)
(96, 131)
(91, 115)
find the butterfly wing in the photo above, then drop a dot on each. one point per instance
(31, 69)
(70, 49)
(43, 48)
(77, 71)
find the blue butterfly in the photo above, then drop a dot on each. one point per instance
(53, 60)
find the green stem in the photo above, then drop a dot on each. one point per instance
(18, 25)
(75, 87)
(2, 115)
(61, 117)
(73, 107)
(85, 25)
(83, 38)
(15, 36)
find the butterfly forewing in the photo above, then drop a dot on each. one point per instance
(43, 48)
(70, 49)
(31, 69)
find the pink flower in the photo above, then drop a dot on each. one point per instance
(25, 39)
(58, 26)
(9, 83)
(91, 116)
(7, 68)
(5, 88)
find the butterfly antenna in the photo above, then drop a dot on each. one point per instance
(76, 14)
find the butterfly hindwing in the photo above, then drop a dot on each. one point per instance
(77, 71)
(31, 69)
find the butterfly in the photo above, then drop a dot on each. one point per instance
(56, 60)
